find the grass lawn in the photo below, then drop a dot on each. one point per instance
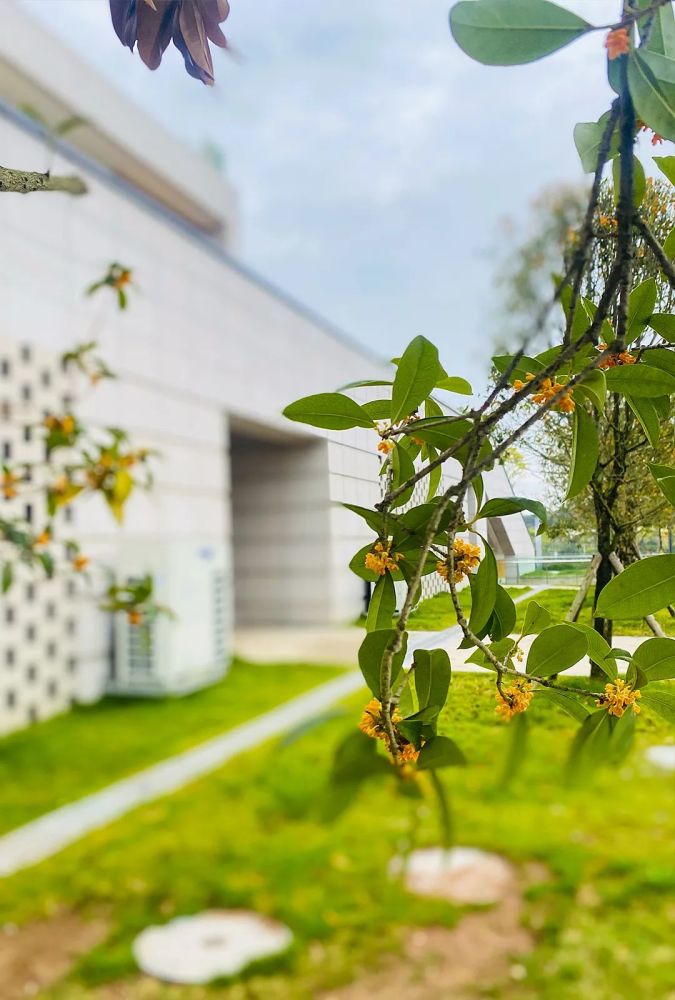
(59, 760)
(437, 612)
(254, 834)
(558, 601)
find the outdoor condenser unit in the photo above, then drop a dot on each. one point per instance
(174, 656)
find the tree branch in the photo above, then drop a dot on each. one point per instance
(27, 181)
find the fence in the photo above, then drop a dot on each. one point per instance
(554, 571)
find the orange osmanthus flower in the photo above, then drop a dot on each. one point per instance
(516, 699)
(467, 557)
(617, 43)
(381, 559)
(618, 697)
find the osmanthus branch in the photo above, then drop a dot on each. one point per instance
(501, 666)
(581, 254)
(631, 17)
(625, 209)
(28, 181)
(513, 401)
(656, 248)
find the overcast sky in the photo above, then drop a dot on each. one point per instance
(373, 159)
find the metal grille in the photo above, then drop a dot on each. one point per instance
(141, 649)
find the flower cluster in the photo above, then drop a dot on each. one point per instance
(10, 482)
(549, 389)
(381, 559)
(612, 360)
(385, 446)
(467, 557)
(608, 222)
(514, 699)
(617, 43)
(656, 138)
(618, 697)
(372, 724)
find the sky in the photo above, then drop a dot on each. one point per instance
(374, 161)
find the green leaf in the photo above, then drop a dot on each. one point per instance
(588, 139)
(643, 588)
(666, 164)
(665, 480)
(416, 376)
(591, 743)
(7, 576)
(504, 616)
(568, 703)
(648, 417)
(378, 409)
(440, 751)
(403, 468)
(585, 449)
(641, 302)
(640, 380)
(483, 591)
(373, 518)
(661, 702)
(519, 31)
(660, 28)
(656, 657)
(435, 476)
(662, 358)
(536, 620)
(365, 383)
(432, 677)
(330, 410)
(513, 759)
(356, 758)
(371, 652)
(556, 649)
(453, 383)
(639, 181)
(500, 650)
(382, 604)
(599, 650)
(502, 507)
(593, 387)
(654, 99)
(669, 245)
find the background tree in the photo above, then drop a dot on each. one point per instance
(622, 502)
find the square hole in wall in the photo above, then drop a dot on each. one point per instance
(10, 657)
(10, 698)
(26, 352)
(31, 674)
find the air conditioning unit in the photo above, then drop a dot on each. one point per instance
(173, 656)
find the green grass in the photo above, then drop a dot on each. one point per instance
(437, 612)
(57, 761)
(255, 835)
(558, 601)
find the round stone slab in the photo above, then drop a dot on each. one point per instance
(662, 756)
(207, 945)
(461, 875)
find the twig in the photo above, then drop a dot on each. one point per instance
(27, 181)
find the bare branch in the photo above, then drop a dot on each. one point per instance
(27, 181)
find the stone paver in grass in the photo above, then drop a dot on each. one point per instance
(205, 946)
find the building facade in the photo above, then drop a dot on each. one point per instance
(207, 356)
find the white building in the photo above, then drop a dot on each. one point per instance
(207, 356)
